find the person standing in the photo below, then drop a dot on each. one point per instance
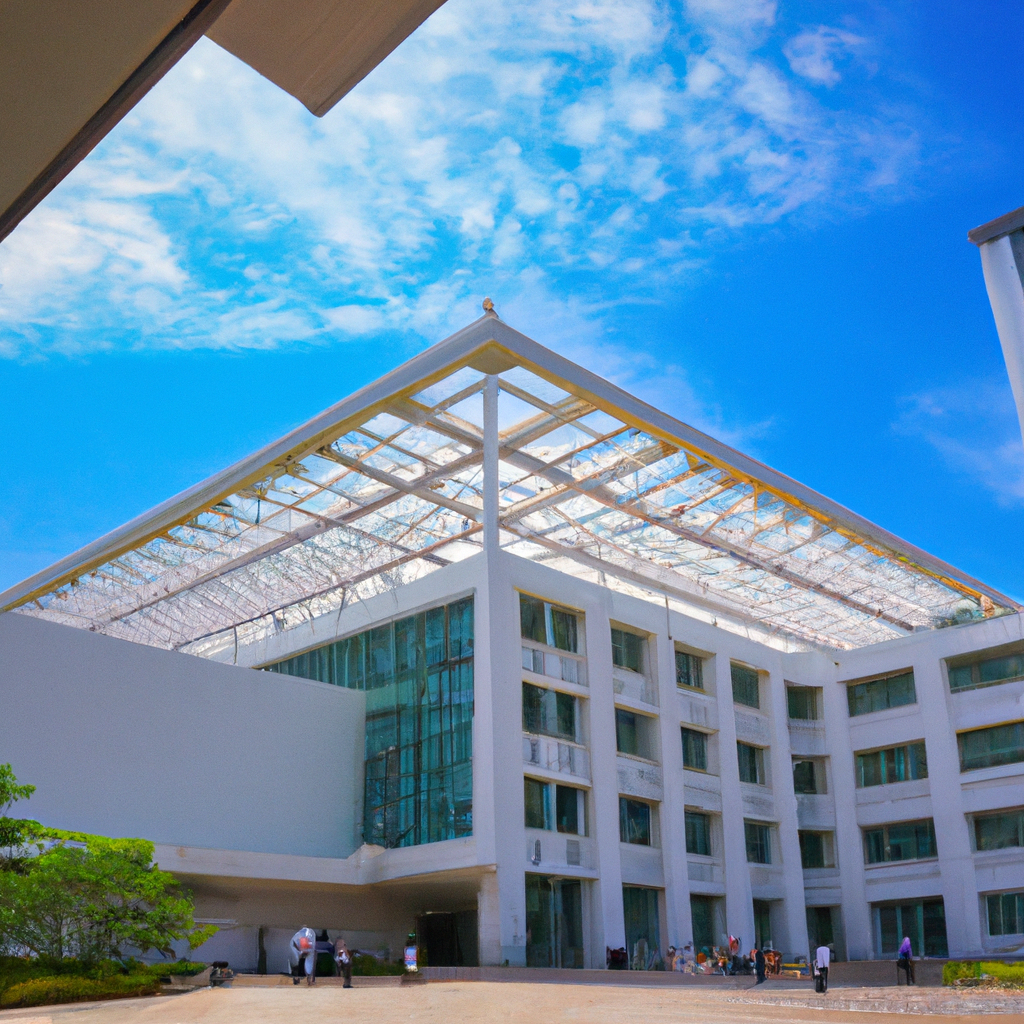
(343, 958)
(759, 966)
(906, 959)
(302, 953)
(822, 960)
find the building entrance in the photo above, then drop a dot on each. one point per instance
(448, 940)
(763, 924)
(554, 922)
(922, 921)
(643, 935)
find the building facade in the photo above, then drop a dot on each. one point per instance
(550, 724)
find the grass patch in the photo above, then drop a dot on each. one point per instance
(975, 972)
(365, 965)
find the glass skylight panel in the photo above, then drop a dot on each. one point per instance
(537, 386)
(444, 389)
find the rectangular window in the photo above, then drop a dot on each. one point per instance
(1004, 668)
(627, 650)
(987, 748)
(894, 764)
(634, 821)
(816, 850)
(548, 624)
(759, 842)
(745, 689)
(1006, 913)
(881, 694)
(904, 840)
(417, 674)
(999, 831)
(689, 670)
(627, 739)
(804, 777)
(538, 803)
(698, 833)
(802, 702)
(549, 712)
(922, 921)
(695, 750)
(751, 763)
(567, 809)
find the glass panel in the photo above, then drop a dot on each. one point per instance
(961, 677)
(804, 777)
(695, 750)
(627, 650)
(802, 702)
(987, 748)
(643, 939)
(762, 924)
(935, 928)
(689, 670)
(548, 712)
(531, 619)
(702, 914)
(890, 928)
(745, 689)
(758, 840)
(418, 674)
(751, 761)
(627, 740)
(563, 630)
(812, 850)
(881, 694)
(999, 670)
(874, 844)
(540, 930)
(567, 809)
(537, 800)
(698, 833)
(999, 831)
(634, 822)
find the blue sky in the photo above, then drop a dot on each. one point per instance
(750, 213)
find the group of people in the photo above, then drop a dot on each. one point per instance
(726, 960)
(304, 949)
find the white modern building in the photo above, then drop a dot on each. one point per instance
(549, 672)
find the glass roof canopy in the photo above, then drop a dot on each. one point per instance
(388, 485)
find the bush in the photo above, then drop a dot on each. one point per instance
(365, 965)
(1009, 975)
(69, 989)
(958, 970)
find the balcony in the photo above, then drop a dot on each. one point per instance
(634, 687)
(638, 777)
(558, 756)
(569, 668)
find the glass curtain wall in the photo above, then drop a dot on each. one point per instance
(418, 677)
(554, 922)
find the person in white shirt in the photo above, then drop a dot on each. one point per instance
(822, 958)
(303, 948)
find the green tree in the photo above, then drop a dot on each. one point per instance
(87, 897)
(15, 833)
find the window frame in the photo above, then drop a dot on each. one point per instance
(826, 846)
(999, 899)
(624, 827)
(558, 694)
(637, 639)
(760, 778)
(1018, 726)
(738, 668)
(705, 830)
(991, 816)
(758, 834)
(863, 688)
(914, 757)
(684, 730)
(884, 844)
(814, 763)
(693, 660)
(549, 609)
(809, 693)
(975, 660)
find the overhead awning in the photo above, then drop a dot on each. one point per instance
(69, 71)
(388, 485)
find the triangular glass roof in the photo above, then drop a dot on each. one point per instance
(387, 485)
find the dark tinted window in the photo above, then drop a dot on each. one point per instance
(549, 712)
(804, 777)
(689, 670)
(627, 650)
(698, 833)
(802, 702)
(634, 821)
(881, 694)
(695, 749)
(744, 686)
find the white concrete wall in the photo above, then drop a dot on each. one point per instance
(126, 740)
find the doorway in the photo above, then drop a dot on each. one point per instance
(763, 924)
(554, 922)
(922, 921)
(448, 940)
(643, 933)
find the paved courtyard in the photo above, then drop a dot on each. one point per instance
(513, 1003)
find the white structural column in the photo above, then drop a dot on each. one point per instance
(956, 859)
(609, 918)
(673, 807)
(784, 799)
(849, 842)
(490, 467)
(1002, 260)
(739, 901)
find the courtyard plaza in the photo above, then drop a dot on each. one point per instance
(525, 1003)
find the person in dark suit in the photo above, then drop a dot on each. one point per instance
(759, 966)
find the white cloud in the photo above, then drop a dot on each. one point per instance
(813, 54)
(586, 140)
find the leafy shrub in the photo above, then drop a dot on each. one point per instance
(1010, 975)
(69, 989)
(957, 970)
(365, 965)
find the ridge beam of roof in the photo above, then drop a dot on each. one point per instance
(636, 509)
